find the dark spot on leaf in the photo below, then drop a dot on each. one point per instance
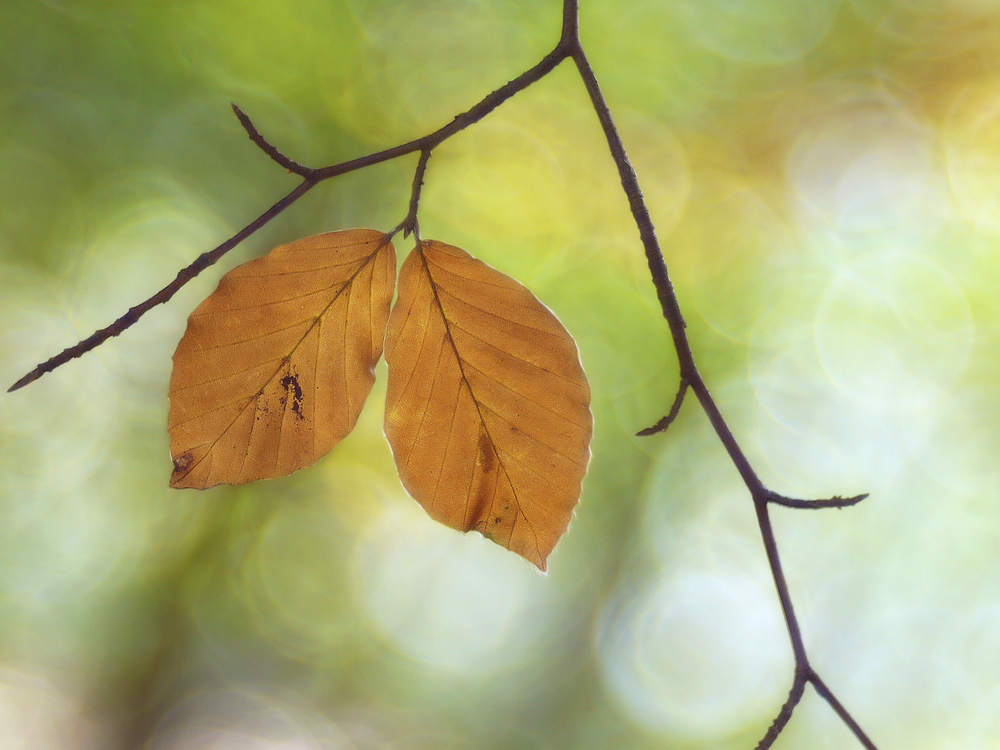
(183, 462)
(292, 388)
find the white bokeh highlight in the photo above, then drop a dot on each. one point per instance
(864, 172)
(455, 602)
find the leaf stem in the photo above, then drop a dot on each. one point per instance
(409, 225)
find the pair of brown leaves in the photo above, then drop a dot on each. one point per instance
(487, 408)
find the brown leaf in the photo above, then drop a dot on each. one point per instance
(487, 407)
(276, 364)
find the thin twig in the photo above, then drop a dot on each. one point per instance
(473, 115)
(675, 409)
(837, 706)
(834, 502)
(269, 149)
(780, 584)
(805, 674)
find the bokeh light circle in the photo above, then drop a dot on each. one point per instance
(675, 656)
(37, 715)
(246, 718)
(811, 436)
(972, 140)
(864, 170)
(293, 578)
(454, 602)
(751, 31)
(894, 332)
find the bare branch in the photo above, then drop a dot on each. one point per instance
(690, 377)
(834, 502)
(569, 45)
(473, 115)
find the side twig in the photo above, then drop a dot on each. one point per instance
(834, 502)
(675, 409)
(267, 148)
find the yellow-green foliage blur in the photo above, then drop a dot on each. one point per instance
(824, 176)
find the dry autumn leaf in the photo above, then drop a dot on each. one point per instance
(276, 364)
(487, 406)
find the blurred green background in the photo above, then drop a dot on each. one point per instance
(825, 179)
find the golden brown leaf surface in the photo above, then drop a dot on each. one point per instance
(276, 364)
(487, 406)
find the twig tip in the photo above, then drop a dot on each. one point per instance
(29, 378)
(675, 409)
